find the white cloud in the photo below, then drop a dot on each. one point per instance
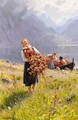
(58, 10)
(2, 2)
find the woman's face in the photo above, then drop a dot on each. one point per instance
(24, 43)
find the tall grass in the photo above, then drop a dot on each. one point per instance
(55, 97)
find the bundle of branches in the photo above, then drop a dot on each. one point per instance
(37, 64)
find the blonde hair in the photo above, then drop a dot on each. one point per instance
(54, 53)
(24, 41)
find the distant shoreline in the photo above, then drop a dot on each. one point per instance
(67, 45)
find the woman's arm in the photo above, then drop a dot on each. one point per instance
(23, 56)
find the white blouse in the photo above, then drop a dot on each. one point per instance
(24, 57)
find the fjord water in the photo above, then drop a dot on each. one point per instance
(69, 51)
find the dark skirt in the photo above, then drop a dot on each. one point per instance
(28, 79)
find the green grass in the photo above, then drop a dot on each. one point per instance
(55, 97)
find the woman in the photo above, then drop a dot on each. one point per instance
(27, 51)
(55, 60)
(62, 61)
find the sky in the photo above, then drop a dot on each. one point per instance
(58, 10)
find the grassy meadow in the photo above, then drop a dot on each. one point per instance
(55, 97)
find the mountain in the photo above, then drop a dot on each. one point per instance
(62, 28)
(16, 25)
(48, 21)
(17, 22)
(72, 30)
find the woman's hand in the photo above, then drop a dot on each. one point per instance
(25, 60)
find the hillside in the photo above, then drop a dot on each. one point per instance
(71, 30)
(55, 97)
(17, 22)
(16, 25)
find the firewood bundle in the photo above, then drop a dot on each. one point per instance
(37, 64)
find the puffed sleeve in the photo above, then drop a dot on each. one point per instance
(36, 51)
(23, 56)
